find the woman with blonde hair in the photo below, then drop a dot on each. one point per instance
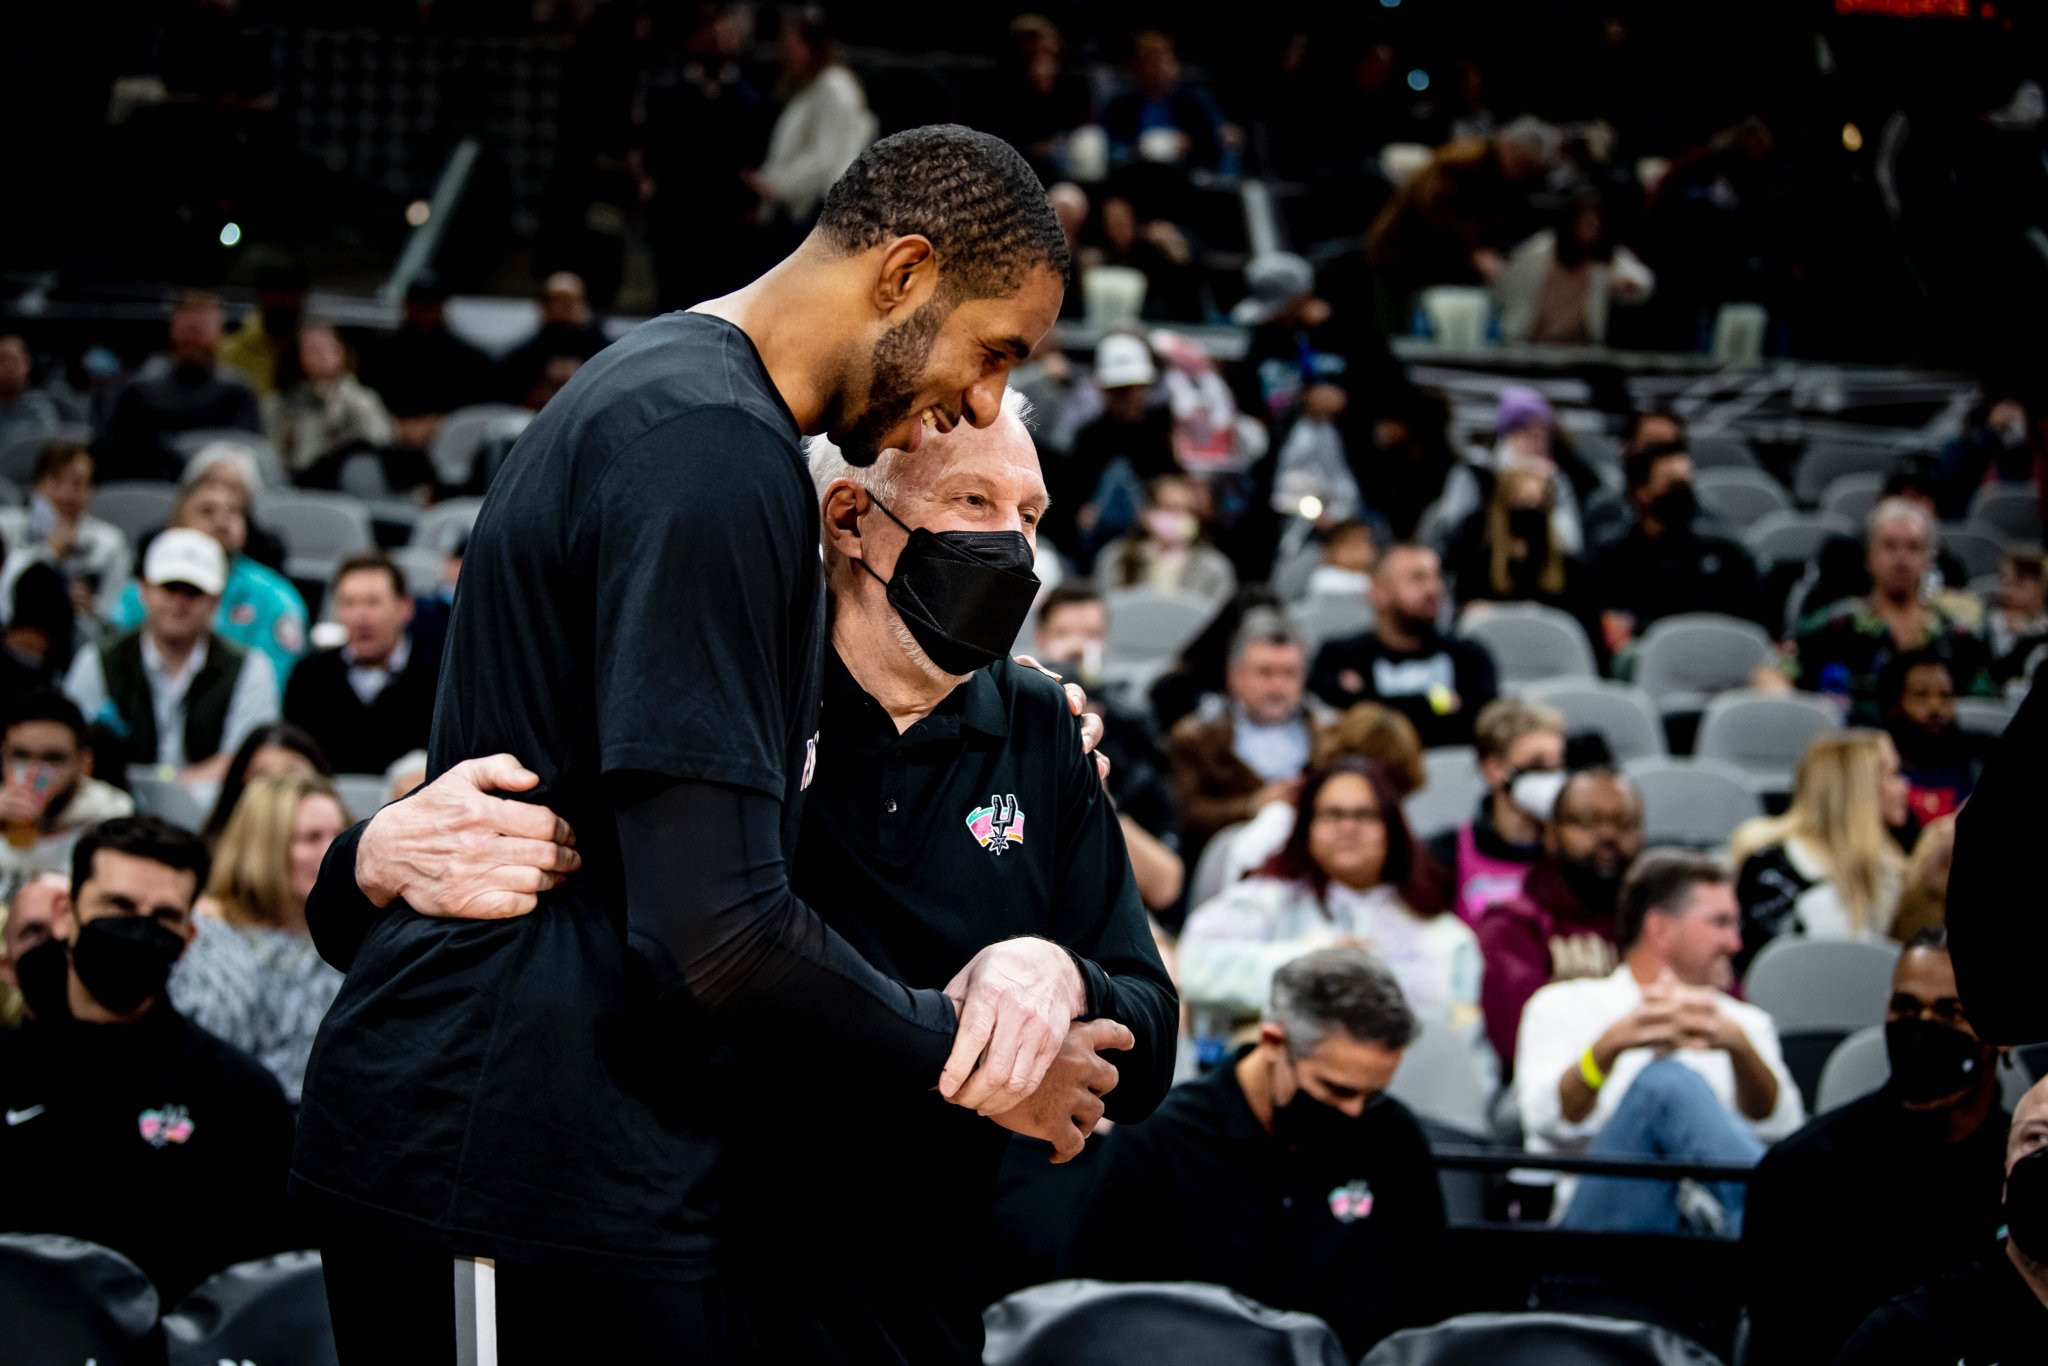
(252, 975)
(1511, 551)
(1828, 867)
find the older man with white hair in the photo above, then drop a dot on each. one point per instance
(1842, 648)
(951, 807)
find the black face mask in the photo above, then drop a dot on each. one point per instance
(43, 973)
(1676, 507)
(1308, 1125)
(1932, 1062)
(1531, 525)
(1597, 891)
(963, 594)
(2026, 1204)
(123, 960)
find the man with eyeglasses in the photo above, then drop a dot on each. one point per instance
(1888, 1192)
(1287, 1175)
(1562, 926)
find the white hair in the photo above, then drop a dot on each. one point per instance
(828, 465)
(1903, 510)
(214, 455)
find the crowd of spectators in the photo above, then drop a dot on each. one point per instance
(1592, 983)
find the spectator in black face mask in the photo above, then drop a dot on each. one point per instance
(1996, 1310)
(1666, 564)
(1287, 1175)
(1936, 1123)
(144, 1133)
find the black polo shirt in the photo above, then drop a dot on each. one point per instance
(1201, 1192)
(1986, 1315)
(642, 595)
(154, 1138)
(983, 821)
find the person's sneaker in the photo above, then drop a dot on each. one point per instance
(1701, 1209)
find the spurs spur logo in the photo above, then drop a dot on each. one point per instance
(997, 826)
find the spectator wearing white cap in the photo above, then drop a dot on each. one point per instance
(1130, 442)
(179, 696)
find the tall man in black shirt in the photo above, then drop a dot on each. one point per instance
(1667, 563)
(126, 1124)
(641, 621)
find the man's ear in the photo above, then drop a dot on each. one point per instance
(1272, 1036)
(843, 505)
(909, 272)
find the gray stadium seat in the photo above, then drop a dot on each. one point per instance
(465, 431)
(156, 796)
(1321, 619)
(1685, 659)
(1986, 716)
(1144, 625)
(2013, 512)
(272, 1309)
(1852, 495)
(1538, 1338)
(319, 529)
(1105, 1323)
(1782, 536)
(65, 1301)
(1438, 1079)
(1449, 796)
(269, 467)
(136, 506)
(1692, 802)
(11, 494)
(18, 457)
(1823, 464)
(1739, 495)
(1859, 1065)
(1811, 985)
(1212, 866)
(1720, 450)
(1622, 713)
(1530, 642)
(446, 524)
(362, 794)
(1980, 550)
(1764, 734)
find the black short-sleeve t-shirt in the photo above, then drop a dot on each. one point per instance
(642, 592)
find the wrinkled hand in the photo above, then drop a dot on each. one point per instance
(453, 849)
(1016, 1000)
(1067, 1105)
(1077, 703)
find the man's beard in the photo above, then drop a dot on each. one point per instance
(895, 371)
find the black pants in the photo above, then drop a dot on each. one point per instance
(397, 1304)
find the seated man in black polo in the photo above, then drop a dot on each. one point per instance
(371, 700)
(177, 694)
(1996, 1309)
(1823, 1253)
(1287, 1175)
(1669, 561)
(126, 1125)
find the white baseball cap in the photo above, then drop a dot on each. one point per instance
(182, 555)
(1122, 361)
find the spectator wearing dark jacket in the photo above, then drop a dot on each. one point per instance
(191, 394)
(1665, 564)
(371, 700)
(1439, 681)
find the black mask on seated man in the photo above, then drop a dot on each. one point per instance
(1676, 507)
(2026, 1204)
(1307, 1124)
(42, 972)
(1932, 1062)
(964, 595)
(123, 960)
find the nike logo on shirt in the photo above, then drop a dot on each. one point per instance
(15, 1117)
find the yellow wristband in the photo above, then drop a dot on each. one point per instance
(1590, 1070)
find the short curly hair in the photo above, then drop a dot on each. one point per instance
(976, 199)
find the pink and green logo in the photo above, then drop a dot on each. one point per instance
(172, 1124)
(998, 825)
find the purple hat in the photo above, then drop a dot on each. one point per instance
(1521, 407)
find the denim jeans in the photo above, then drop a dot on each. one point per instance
(1669, 1112)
